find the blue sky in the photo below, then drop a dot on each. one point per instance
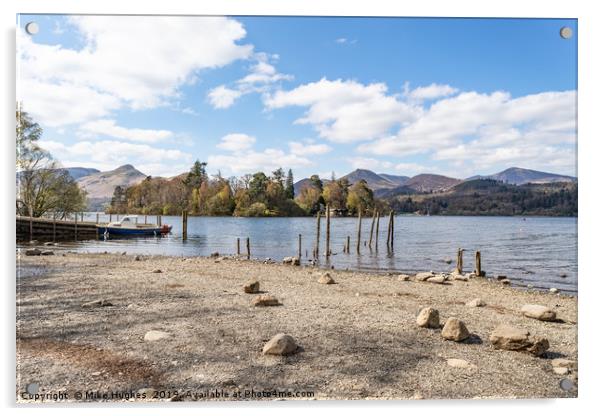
(398, 95)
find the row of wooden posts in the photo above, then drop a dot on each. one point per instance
(316, 251)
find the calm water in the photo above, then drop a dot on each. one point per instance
(537, 250)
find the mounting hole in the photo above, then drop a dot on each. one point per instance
(566, 32)
(32, 28)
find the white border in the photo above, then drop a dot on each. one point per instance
(590, 68)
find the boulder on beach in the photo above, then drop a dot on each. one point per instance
(564, 363)
(47, 253)
(404, 277)
(33, 252)
(454, 330)
(428, 318)
(438, 278)
(156, 335)
(214, 254)
(540, 312)
(506, 337)
(157, 271)
(476, 303)
(252, 286)
(265, 300)
(421, 277)
(554, 290)
(293, 261)
(326, 279)
(458, 363)
(281, 344)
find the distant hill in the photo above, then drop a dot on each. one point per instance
(100, 185)
(396, 179)
(78, 172)
(491, 197)
(431, 183)
(520, 176)
(374, 181)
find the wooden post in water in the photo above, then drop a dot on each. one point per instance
(75, 228)
(30, 227)
(54, 228)
(328, 231)
(238, 246)
(145, 219)
(97, 217)
(159, 223)
(184, 225)
(377, 224)
(248, 248)
(299, 250)
(459, 261)
(389, 234)
(372, 228)
(478, 263)
(82, 217)
(359, 230)
(110, 217)
(392, 229)
(348, 244)
(317, 247)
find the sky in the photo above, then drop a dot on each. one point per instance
(318, 95)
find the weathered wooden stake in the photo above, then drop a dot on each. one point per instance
(248, 248)
(110, 217)
(184, 225)
(145, 219)
(389, 233)
(54, 229)
(327, 231)
(359, 230)
(372, 229)
(348, 244)
(97, 217)
(82, 217)
(159, 224)
(459, 261)
(238, 246)
(75, 227)
(377, 224)
(392, 229)
(299, 250)
(478, 263)
(317, 247)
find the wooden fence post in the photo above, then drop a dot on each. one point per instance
(372, 228)
(478, 263)
(317, 247)
(459, 261)
(184, 225)
(248, 248)
(392, 229)
(359, 230)
(328, 231)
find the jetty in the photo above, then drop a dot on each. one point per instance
(44, 229)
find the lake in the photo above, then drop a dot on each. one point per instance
(541, 251)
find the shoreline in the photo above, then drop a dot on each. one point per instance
(359, 337)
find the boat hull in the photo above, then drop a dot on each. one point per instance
(133, 231)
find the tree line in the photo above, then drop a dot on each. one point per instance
(252, 195)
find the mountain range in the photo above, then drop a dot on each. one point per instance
(100, 185)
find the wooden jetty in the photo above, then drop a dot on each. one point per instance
(44, 229)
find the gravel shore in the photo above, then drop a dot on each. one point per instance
(358, 337)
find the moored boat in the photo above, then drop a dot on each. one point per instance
(129, 226)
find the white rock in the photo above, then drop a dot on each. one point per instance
(326, 279)
(421, 277)
(440, 279)
(560, 370)
(563, 362)
(540, 312)
(458, 363)
(554, 290)
(476, 303)
(156, 335)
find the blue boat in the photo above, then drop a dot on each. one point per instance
(128, 226)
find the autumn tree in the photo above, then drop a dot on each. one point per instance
(360, 198)
(335, 193)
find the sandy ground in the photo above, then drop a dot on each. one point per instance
(358, 337)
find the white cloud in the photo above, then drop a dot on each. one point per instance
(107, 127)
(261, 78)
(111, 153)
(236, 142)
(125, 61)
(432, 92)
(369, 163)
(346, 111)
(299, 148)
(223, 97)
(483, 131)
